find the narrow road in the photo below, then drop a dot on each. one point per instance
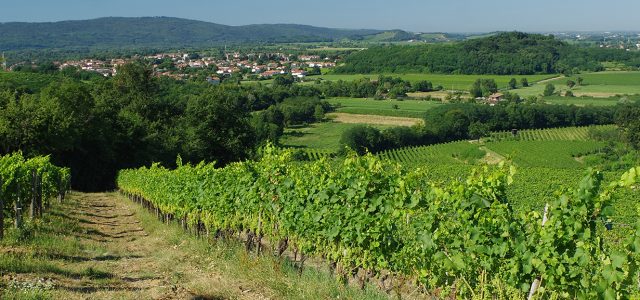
(550, 79)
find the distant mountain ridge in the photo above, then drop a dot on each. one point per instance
(161, 32)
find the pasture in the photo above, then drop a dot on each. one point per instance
(599, 85)
(392, 108)
(351, 112)
(449, 82)
(582, 101)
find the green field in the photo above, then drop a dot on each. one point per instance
(601, 84)
(326, 135)
(598, 89)
(332, 49)
(449, 82)
(581, 101)
(614, 78)
(406, 108)
(320, 136)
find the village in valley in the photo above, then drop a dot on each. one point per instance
(245, 66)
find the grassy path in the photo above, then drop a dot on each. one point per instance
(146, 262)
(117, 252)
(102, 246)
(550, 79)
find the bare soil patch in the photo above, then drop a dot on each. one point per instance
(374, 119)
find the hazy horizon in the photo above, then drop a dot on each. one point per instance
(410, 15)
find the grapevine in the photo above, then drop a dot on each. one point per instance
(373, 215)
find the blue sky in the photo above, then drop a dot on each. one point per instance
(413, 15)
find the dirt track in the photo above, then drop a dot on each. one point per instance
(139, 264)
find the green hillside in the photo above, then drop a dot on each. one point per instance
(510, 53)
(159, 32)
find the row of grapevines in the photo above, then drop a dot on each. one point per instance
(29, 183)
(550, 134)
(373, 215)
(445, 153)
(551, 154)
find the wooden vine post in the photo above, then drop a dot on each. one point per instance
(39, 207)
(33, 206)
(60, 190)
(1, 213)
(536, 283)
(18, 209)
(35, 209)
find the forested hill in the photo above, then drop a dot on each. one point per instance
(157, 32)
(504, 53)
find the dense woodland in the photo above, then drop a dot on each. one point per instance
(504, 54)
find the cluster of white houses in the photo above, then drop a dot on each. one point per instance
(105, 68)
(263, 65)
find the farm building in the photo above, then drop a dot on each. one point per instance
(494, 98)
(213, 80)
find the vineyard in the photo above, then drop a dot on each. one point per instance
(29, 181)
(375, 220)
(554, 148)
(554, 134)
(448, 153)
(315, 154)
(552, 154)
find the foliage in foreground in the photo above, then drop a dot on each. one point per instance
(35, 179)
(372, 215)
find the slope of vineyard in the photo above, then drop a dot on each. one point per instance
(449, 153)
(552, 134)
(314, 154)
(533, 187)
(398, 222)
(553, 148)
(551, 154)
